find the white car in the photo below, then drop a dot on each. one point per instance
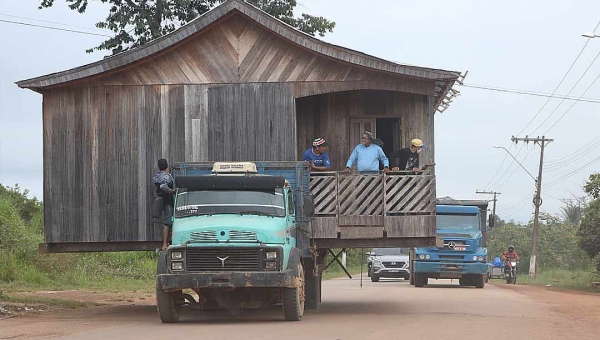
(389, 263)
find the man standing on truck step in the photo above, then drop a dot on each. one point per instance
(368, 155)
(163, 181)
(317, 155)
(409, 157)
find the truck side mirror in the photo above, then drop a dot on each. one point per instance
(157, 211)
(309, 206)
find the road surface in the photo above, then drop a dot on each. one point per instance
(384, 310)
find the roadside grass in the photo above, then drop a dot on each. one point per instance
(41, 300)
(337, 272)
(563, 279)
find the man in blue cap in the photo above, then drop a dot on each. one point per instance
(368, 155)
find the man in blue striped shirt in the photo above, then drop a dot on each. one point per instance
(367, 156)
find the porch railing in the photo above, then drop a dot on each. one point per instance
(373, 206)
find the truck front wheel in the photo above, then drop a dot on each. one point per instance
(168, 305)
(293, 298)
(478, 281)
(420, 279)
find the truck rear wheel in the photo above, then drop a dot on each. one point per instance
(313, 291)
(293, 298)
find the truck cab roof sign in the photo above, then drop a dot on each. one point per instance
(238, 167)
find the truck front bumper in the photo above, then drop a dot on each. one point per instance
(449, 270)
(170, 282)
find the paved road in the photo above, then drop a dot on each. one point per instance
(384, 310)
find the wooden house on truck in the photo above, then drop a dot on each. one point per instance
(235, 84)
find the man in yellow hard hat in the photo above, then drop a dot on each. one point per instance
(408, 157)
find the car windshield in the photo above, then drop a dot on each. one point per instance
(210, 202)
(458, 222)
(389, 251)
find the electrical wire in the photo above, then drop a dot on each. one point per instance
(54, 28)
(517, 205)
(508, 168)
(571, 90)
(571, 174)
(515, 170)
(49, 22)
(531, 93)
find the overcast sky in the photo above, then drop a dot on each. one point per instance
(526, 45)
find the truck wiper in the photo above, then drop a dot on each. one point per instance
(252, 212)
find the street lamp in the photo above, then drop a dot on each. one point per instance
(505, 149)
(590, 35)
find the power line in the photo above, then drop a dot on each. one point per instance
(531, 93)
(48, 22)
(571, 174)
(54, 28)
(494, 185)
(569, 109)
(571, 90)
(515, 170)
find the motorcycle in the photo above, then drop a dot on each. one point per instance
(511, 272)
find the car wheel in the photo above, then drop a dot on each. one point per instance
(374, 278)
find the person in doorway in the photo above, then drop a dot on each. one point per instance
(367, 155)
(165, 188)
(509, 255)
(408, 157)
(317, 155)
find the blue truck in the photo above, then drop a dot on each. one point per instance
(460, 251)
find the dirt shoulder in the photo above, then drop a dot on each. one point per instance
(575, 306)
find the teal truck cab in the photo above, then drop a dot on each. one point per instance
(238, 241)
(459, 252)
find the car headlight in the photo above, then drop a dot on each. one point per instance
(377, 260)
(176, 266)
(271, 255)
(422, 256)
(427, 257)
(474, 257)
(176, 255)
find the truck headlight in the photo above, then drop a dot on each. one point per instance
(271, 255)
(176, 255)
(480, 258)
(176, 266)
(474, 257)
(422, 257)
(427, 257)
(270, 265)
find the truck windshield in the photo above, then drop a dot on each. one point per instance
(210, 202)
(457, 222)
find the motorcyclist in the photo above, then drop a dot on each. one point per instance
(509, 255)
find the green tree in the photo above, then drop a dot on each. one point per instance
(589, 230)
(27, 208)
(136, 22)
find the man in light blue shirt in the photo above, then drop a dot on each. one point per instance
(367, 156)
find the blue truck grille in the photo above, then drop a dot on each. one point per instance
(393, 264)
(223, 259)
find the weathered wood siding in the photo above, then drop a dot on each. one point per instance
(101, 145)
(329, 116)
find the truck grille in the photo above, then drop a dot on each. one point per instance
(222, 259)
(393, 264)
(451, 244)
(203, 236)
(239, 235)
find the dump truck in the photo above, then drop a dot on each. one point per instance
(460, 251)
(242, 236)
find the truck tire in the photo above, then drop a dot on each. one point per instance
(478, 281)
(420, 279)
(293, 299)
(168, 310)
(313, 291)
(374, 277)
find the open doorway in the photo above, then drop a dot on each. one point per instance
(388, 130)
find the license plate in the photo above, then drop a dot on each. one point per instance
(394, 270)
(460, 248)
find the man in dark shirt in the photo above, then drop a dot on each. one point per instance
(163, 181)
(409, 157)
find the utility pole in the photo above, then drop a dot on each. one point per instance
(537, 201)
(493, 220)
